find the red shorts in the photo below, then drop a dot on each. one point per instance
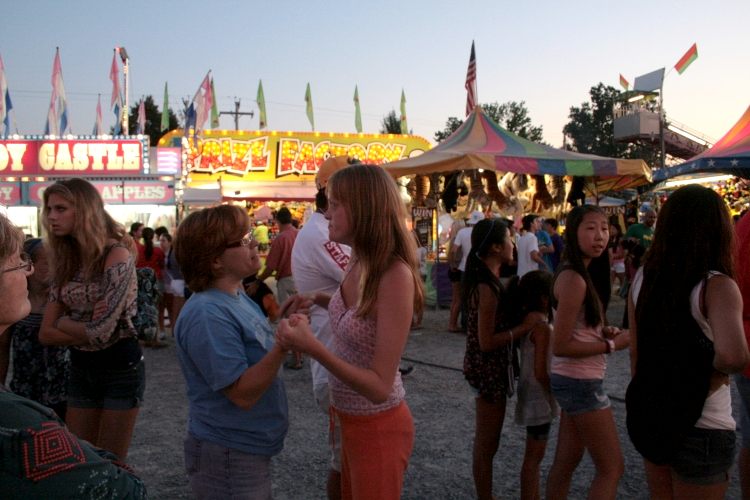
(375, 452)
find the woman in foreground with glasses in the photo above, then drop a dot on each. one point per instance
(39, 372)
(64, 466)
(238, 408)
(92, 303)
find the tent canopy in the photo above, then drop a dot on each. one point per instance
(731, 155)
(481, 143)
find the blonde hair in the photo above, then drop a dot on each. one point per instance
(84, 249)
(202, 237)
(11, 239)
(378, 221)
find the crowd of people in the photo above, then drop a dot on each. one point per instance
(349, 287)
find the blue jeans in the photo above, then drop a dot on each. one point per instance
(705, 456)
(217, 472)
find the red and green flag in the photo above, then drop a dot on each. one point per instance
(686, 60)
(624, 83)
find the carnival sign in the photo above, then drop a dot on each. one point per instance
(116, 157)
(118, 192)
(10, 194)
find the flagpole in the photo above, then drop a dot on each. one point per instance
(126, 107)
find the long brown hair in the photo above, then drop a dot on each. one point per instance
(85, 248)
(378, 218)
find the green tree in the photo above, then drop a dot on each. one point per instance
(591, 128)
(512, 116)
(391, 123)
(153, 120)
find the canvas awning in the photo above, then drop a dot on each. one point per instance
(730, 155)
(481, 143)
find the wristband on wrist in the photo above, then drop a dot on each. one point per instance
(610, 346)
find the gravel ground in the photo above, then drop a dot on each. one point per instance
(443, 409)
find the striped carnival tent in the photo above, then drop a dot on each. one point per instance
(482, 144)
(731, 155)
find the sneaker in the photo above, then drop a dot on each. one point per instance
(406, 371)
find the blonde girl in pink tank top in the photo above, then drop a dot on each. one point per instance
(581, 291)
(371, 315)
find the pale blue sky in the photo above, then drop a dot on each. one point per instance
(547, 53)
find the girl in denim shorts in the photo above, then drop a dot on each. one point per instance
(580, 343)
(687, 337)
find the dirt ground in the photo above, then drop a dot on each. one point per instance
(443, 409)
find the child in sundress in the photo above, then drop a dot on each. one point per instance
(536, 408)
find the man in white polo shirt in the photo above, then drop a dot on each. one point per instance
(462, 244)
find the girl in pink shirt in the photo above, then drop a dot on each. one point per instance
(371, 314)
(581, 290)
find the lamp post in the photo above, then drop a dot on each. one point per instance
(126, 108)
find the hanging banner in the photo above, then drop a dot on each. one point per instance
(100, 158)
(283, 156)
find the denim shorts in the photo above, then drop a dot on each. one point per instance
(120, 389)
(743, 388)
(705, 456)
(215, 471)
(576, 396)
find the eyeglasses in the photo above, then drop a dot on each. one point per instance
(26, 265)
(247, 241)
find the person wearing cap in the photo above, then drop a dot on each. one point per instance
(462, 245)
(318, 264)
(40, 372)
(279, 260)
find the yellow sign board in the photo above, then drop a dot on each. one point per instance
(283, 156)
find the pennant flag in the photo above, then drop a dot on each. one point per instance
(404, 127)
(98, 122)
(190, 118)
(165, 110)
(309, 107)
(214, 107)
(471, 82)
(5, 104)
(624, 83)
(141, 129)
(203, 100)
(357, 111)
(686, 60)
(57, 115)
(261, 100)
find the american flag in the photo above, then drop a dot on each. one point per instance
(471, 82)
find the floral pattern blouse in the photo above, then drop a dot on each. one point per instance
(39, 372)
(106, 304)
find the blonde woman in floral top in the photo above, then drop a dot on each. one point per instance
(91, 305)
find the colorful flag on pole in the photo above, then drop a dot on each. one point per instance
(404, 126)
(214, 107)
(471, 82)
(309, 106)
(624, 83)
(5, 104)
(165, 110)
(261, 100)
(203, 101)
(141, 129)
(686, 60)
(357, 111)
(57, 115)
(98, 122)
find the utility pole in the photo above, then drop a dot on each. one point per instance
(237, 113)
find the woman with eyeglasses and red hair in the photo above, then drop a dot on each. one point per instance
(238, 409)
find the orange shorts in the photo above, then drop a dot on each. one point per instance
(375, 452)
